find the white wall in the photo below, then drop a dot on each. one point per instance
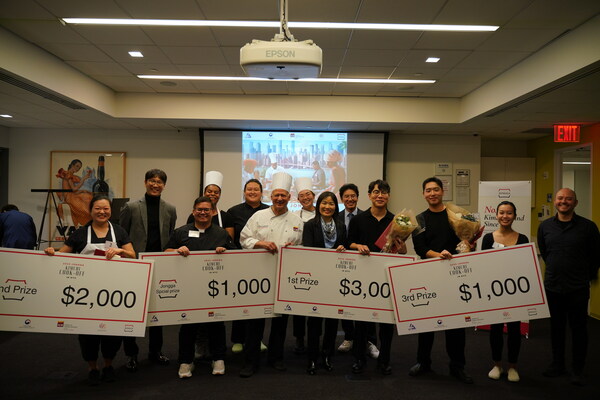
(411, 159)
(4, 136)
(178, 154)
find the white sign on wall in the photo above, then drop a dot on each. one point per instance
(517, 192)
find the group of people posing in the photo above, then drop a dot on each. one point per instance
(148, 225)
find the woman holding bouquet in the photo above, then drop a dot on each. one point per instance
(506, 213)
(325, 231)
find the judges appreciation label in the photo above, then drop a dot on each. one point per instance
(345, 285)
(480, 288)
(206, 286)
(71, 293)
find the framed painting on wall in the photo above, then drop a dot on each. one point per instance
(85, 173)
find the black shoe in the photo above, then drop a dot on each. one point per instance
(108, 374)
(93, 377)
(131, 364)
(312, 368)
(554, 370)
(419, 369)
(327, 363)
(278, 365)
(358, 367)
(247, 371)
(461, 375)
(299, 349)
(159, 358)
(577, 379)
(384, 368)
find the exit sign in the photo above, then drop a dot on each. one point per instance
(567, 133)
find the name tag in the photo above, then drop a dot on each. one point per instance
(194, 234)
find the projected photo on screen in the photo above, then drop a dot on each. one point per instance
(321, 156)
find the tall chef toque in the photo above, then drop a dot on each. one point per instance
(282, 180)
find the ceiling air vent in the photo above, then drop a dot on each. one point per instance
(40, 92)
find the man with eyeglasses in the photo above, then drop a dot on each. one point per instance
(365, 229)
(436, 239)
(149, 222)
(198, 236)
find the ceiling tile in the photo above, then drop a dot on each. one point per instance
(365, 89)
(262, 10)
(113, 35)
(176, 9)
(452, 40)
(83, 9)
(373, 58)
(477, 12)
(120, 53)
(397, 40)
(366, 72)
(264, 87)
(492, 59)
(394, 11)
(77, 52)
(519, 39)
(43, 31)
(194, 55)
(181, 36)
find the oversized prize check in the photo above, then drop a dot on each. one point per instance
(325, 283)
(207, 287)
(73, 293)
(479, 288)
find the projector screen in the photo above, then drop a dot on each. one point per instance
(344, 157)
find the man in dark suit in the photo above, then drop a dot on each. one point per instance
(349, 196)
(149, 222)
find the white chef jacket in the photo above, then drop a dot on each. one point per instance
(279, 229)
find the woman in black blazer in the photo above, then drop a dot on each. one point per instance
(323, 231)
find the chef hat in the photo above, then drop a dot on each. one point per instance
(273, 157)
(303, 183)
(213, 178)
(282, 180)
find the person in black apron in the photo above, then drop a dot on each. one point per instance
(98, 237)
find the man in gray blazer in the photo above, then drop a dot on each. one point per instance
(149, 222)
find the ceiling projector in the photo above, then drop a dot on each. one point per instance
(281, 59)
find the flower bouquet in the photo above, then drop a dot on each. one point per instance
(466, 225)
(403, 224)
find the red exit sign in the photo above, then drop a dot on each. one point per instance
(567, 133)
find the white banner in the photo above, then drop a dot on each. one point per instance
(72, 293)
(492, 193)
(206, 286)
(326, 283)
(479, 288)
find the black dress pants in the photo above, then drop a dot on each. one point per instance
(187, 340)
(455, 347)
(569, 308)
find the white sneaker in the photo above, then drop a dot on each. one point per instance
(185, 370)
(495, 373)
(346, 346)
(513, 375)
(372, 350)
(218, 367)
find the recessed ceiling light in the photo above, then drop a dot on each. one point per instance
(247, 78)
(276, 24)
(137, 54)
(432, 59)
(6, 116)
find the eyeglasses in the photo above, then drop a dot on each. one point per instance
(379, 192)
(202, 210)
(349, 197)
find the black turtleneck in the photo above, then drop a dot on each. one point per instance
(153, 239)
